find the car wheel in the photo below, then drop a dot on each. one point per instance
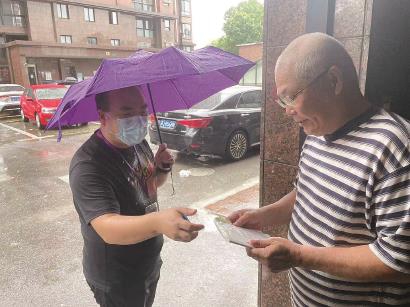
(38, 122)
(237, 146)
(23, 116)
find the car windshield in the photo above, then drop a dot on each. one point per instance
(51, 93)
(11, 88)
(213, 101)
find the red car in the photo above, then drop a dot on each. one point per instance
(39, 102)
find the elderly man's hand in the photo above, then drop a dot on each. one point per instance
(247, 218)
(277, 254)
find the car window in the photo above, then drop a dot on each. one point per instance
(208, 103)
(11, 88)
(30, 93)
(51, 93)
(250, 100)
(212, 101)
(229, 103)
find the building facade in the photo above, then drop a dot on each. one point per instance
(46, 40)
(252, 52)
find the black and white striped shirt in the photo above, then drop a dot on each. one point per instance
(353, 189)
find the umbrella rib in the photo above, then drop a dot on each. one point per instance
(176, 89)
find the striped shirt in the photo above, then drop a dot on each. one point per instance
(353, 189)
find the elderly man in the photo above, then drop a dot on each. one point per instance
(349, 215)
(114, 178)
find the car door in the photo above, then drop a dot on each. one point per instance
(23, 102)
(250, 111)
(30, 103)
(226, 117)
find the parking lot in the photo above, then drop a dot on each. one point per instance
(40, 240)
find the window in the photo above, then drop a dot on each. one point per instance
(89, 14)
(65, 39)
(62, 11)
(51, 93)
(115, 42)
(48, 76)
(144, 5)
(186, 30)
(30, 94)
(92, 40)
(167, 25)
(251, 100)
(186, 7)
(11, 88)
(18, 18)
(145, 28)
(229, 103)
(113, 16)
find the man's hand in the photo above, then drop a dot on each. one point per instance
(277, 254)
(247, 218)
(172, 224)
(163, 157)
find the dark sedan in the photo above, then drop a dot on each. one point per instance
(226, 124)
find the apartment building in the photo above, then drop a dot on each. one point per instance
(45, 40)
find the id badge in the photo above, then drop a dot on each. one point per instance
(151, 208)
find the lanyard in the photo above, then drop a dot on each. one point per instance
(132, 169)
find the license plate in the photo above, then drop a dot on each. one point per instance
(167, 124)
(15, 98)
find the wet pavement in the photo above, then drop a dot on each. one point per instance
(40, 240)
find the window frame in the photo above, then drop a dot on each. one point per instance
(186, 7)
(115, 40)
(111, 19)
(89, 38)
(167, 28)
(144, 5)
(60, 11)
(87, 15)
(183, 30)
(144, 28)
(65, 36)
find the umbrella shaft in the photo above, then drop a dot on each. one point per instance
(155, 113)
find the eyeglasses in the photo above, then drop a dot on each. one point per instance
(289, 101)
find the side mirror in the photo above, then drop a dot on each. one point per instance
(29, 99)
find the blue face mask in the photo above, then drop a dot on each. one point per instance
(132, 130)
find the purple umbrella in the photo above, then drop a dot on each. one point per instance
(171, 79)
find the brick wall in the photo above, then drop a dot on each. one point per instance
(100, 28)
(40, 21)
(251, 52)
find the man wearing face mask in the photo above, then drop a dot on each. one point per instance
(114, 178)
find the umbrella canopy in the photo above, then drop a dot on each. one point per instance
(175, 78)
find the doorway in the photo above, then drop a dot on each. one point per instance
(32, 74)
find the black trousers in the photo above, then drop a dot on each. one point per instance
(128, 294)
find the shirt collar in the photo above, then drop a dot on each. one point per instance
(352, 124)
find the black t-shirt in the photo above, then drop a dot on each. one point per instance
(102, 181)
